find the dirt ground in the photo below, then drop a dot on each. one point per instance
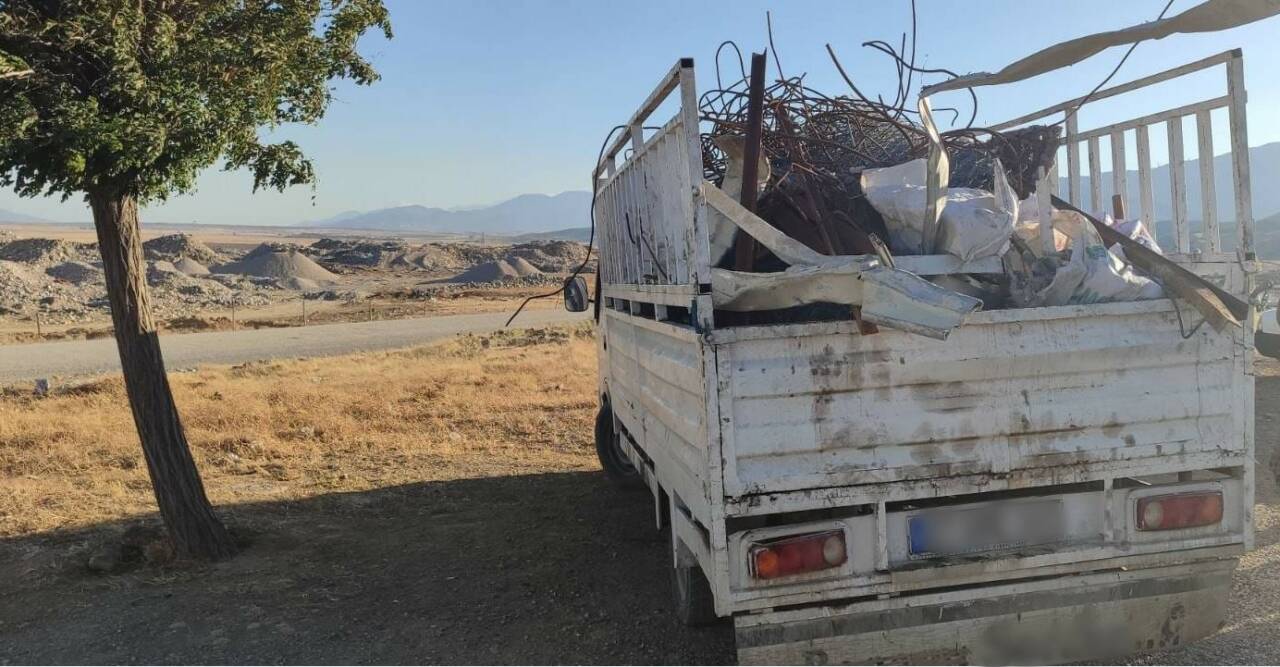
(503, 544)
(473, 527)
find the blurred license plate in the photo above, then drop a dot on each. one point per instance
(995, 527)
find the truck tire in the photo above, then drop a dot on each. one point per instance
(695, 605)
(617, 467)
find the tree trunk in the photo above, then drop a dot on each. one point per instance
(194, 528)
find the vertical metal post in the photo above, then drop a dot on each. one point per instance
(1044, 207)
(1208, 193)
(1146, 198)
(1178, 186)
(1240, 155)
(1119, 166)
(1095, 177)
(1073, 160)
(746, 248)
(304, 311)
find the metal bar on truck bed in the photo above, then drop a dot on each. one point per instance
(1073, 159)
(1095, 176)
(1178, 187)
(1240, 155)
(1208, 193)
(745, 251)
(1146, 199)
(1119, 165)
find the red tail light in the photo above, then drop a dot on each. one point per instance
(1179, 510)
(795, 555)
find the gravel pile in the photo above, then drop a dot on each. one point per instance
(522, 267)
(552, 256)
(190, 266)
(46, 251)
(176, 246)
(64, 283)
(75, 272)
(489, 272)
(541, 256)
(278, 261)
(341, 253)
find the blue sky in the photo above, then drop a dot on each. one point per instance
(482, 100)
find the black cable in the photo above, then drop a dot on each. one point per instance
(1182, 328)
(1120, 64)
(590, 240)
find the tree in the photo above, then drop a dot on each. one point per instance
(125, 102)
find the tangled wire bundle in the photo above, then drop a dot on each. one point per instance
(832, 139)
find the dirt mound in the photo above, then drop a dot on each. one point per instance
(301, 284)
(190, 266)
(489, 272)
(336, 252)
(551, 256)
(277, 261)
(43, 251)
(523, 267)
(175, 246)
(77, 273)
(430, 257)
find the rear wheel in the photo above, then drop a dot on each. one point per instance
(617, 467)
(695, 605)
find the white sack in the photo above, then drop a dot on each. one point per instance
(1106, 276)
(974, 224)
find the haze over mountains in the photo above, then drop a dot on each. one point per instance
(566, 215)
(525, 214)
(539, 214)
(1264, 162)
(10, 216)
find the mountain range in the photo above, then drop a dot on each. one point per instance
(10, 216)
(1264, 164)
(536, 214)
(525, 214)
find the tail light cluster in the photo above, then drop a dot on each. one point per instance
(1179, 510)
(798, 554)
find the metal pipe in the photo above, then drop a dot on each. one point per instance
(746, 249)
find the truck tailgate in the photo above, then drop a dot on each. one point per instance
(1046, 393)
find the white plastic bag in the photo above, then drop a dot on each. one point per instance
(1106, 276)
(974, 223)
(1135, 230)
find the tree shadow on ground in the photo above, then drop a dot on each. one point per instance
(549, 568)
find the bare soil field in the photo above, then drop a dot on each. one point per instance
(439, 504)
(52, 286)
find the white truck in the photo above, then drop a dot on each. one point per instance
(1047, 484)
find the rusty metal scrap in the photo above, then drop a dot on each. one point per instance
(818, 144)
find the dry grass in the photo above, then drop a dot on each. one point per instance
(478, 406)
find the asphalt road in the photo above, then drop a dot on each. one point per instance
(20, 363)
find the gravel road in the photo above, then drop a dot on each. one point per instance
(20, 363)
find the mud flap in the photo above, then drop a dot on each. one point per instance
(1043, 622)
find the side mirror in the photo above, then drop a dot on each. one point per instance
(576, 297)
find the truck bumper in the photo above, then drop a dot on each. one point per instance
(1063, 619)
